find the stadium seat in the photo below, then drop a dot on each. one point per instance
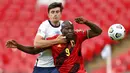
(8, 23)
(41, 14)
(30, 2)
(20, 24)
(129, 52)
(31, 32)
(6, 59)
(4, 4)
(15, 33)
(33, 24)
(121, 68)
(1, 15)
(18, 2)
(1, 47)
(15, 7)
(126, 3)
(4, 32)
(25, 15)
(29, 8)
(117, 62)
(10, 15)
(126, 60)
(25, 41)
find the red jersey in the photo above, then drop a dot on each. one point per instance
(68, 59)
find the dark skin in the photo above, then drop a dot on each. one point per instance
(67, 30)
(94, 29)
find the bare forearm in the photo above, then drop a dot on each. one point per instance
(94, 27)
(44, 43)
(29, 49)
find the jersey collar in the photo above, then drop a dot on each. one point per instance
(53, 25)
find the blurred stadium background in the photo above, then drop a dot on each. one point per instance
(20, 19)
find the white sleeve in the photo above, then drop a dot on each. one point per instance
(42, 30)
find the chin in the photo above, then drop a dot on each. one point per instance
(56, 20)
(69, 38)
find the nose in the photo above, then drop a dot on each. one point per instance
(69, 30)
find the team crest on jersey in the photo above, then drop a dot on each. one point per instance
(59, 45)
(79, 30)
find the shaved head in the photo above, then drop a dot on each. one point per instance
(67, 30)
(65, 23)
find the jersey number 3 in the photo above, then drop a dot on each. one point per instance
(67, 52)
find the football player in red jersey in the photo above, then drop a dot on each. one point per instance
(67, 57)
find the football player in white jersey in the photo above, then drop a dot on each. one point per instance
(48, 28)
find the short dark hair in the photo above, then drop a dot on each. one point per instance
(54, 5)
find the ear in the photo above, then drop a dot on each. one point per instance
(61, 30)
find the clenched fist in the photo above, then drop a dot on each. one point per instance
(11, 44)
(80, 20)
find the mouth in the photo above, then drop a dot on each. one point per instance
(69, 36)
(55, 17)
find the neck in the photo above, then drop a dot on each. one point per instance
(56, 23)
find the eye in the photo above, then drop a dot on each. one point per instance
(52, 12)
(57, 11)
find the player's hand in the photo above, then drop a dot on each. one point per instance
(61, 39)
(80, 20)
(11, 44)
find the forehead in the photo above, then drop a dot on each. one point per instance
(55, 9)
(67, 25)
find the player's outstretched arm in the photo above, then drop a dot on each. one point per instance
(26, 49)
(40, 42)
(95, 30)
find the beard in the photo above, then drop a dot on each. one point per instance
(69, 37)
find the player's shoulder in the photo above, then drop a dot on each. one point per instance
(79, 32)
(45, 22)
(61, 21)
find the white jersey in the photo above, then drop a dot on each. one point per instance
(45, 30)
